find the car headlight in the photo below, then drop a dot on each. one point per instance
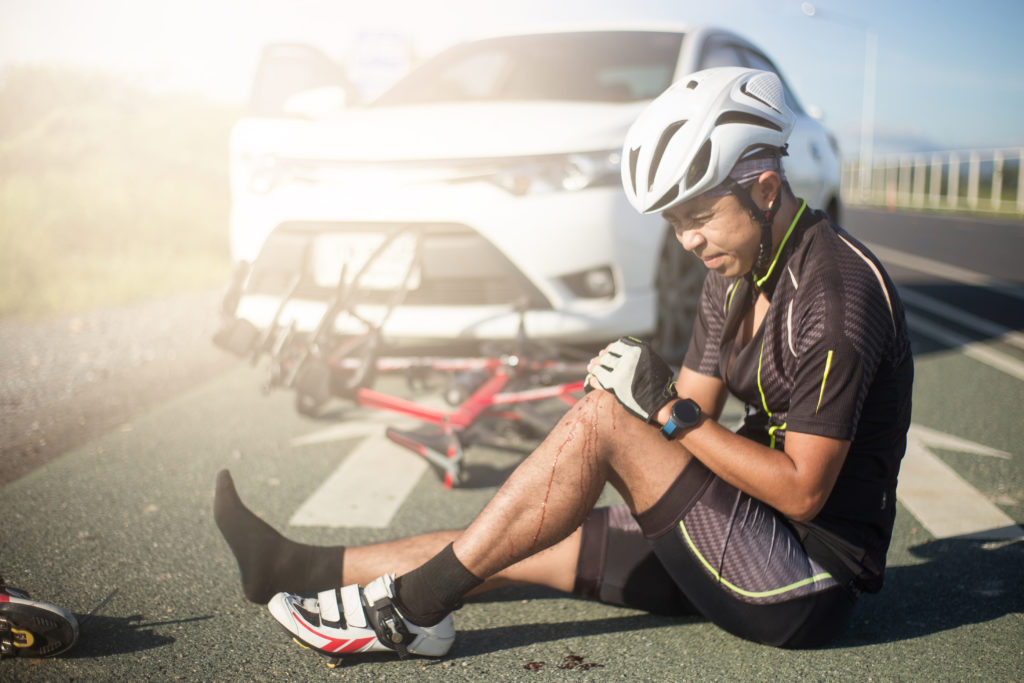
(559, 173)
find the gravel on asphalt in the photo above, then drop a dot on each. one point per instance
(70, 378)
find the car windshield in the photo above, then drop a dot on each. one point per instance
(612, 66)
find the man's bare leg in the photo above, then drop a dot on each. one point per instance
(528, 533)
(552, 491)
(545, 499)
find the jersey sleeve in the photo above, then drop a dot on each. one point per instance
(844, 330)
(704, 352)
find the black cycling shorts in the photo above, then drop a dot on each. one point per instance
(708, 548)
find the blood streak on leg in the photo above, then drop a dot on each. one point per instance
(588, 455)
(586, 419)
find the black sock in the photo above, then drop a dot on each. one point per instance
(427, 594)
(268, 562)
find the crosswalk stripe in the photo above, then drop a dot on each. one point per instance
(369, 486)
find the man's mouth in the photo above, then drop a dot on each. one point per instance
(712, 261)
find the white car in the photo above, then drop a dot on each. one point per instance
(502, 156)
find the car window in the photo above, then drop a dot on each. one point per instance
(720, 53)
(285, 70)
(618, 66)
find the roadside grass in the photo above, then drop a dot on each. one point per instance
(108, 194)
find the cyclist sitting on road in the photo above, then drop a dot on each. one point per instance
(771, 531)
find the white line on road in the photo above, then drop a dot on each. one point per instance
(972, 349)
(370, 485)
(940, 499)
(961, 317)
(921, 264)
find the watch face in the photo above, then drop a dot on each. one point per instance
(686, 413)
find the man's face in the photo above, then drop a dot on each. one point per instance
(719, 231)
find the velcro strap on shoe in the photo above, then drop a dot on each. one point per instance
(381, 587)
(330, 608)
(352, 602)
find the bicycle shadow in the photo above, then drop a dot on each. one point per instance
(103, 636)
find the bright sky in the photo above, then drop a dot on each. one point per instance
(950, 72)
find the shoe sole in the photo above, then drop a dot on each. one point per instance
(29, 628)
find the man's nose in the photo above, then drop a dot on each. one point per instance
(691, 239)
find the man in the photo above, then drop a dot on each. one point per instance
(770, 532)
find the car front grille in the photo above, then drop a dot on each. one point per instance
(458, 266)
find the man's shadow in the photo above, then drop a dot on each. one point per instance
(962, 582)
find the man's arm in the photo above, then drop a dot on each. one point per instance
(709, 392)
(796, 482)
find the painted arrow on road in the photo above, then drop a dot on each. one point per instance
(940, 499)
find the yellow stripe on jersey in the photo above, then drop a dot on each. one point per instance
(824, 378)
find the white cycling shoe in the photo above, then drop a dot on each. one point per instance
(353, 619)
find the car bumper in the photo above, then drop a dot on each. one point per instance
(486, 254)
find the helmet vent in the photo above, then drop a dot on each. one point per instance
(659, 151)
(699, 167)
(692, 85)
(634, 154)
(668, 197)
(749, 119)
(767, 89)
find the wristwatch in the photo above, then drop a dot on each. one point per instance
(685, 414)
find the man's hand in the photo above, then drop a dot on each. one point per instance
(637, 376)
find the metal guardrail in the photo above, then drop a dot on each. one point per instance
(972, 181)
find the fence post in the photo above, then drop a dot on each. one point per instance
(904, 182)
(919, 178)
(954, 179)
(997, 179)
(935, 181)
(973, 175)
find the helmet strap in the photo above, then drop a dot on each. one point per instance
(765, 217)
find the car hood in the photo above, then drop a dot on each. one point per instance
(463, 131)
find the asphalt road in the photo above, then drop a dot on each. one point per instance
(118, 526)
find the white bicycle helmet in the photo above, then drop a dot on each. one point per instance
(689, 138)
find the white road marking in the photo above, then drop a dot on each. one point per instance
(370, 485)
(970, 348)
(921, 264)
(940, 499)
(961, 317)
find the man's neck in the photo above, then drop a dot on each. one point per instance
(783, 219)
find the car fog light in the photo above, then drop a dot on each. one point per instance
(600, 282)
(596, 283)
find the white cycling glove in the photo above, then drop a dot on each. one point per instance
(637, 376)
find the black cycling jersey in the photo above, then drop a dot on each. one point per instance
(832, 358)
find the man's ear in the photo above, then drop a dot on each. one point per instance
(764, 191)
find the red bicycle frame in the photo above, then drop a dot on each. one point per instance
(444, 448)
